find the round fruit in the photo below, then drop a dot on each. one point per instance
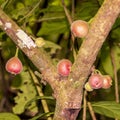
(96, 81)
(79, 28)
(14, 65)
(63, 67)
(107, 82)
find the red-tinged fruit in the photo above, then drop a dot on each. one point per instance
(96, 81)
(14, 65)
(79, 28)
(107, 82)
(64, 67)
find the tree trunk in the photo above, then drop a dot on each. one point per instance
(68, 91)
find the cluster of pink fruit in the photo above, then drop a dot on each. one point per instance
(95, 81)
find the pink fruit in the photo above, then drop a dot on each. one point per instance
(96, 81)
(63, 67)
(14, 65)
(107, 82)
(79, 28)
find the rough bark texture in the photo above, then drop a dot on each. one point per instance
(67, 91)
(99, 29)
(38, 56)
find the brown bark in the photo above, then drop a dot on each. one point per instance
(99, 29)
(68, 91)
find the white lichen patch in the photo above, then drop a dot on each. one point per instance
(25, 39)
(8, 25)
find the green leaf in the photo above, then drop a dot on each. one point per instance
(40, 42)
(58, 2)
(49, 28)
(106, 60)
(54, 21)
(116, 54)
(86, 9)
(100, 1)
(38, 98)
(116, 34)
(117, 23)
(26, 93)
(8, 116)
(42, 115)
(108, 108)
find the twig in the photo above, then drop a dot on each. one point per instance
(51, 18)
(70, 22)
(115, 75)
(85, 105)
(91, 111)
(73, 8)
(30, 12)
(44, 103)
(66, 13)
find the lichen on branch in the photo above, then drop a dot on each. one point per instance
(38, 56)
(68, 91)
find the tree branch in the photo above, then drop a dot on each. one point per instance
(68, 91)
(38, 56)
(99, 29)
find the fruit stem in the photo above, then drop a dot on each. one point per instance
(16, 53)
(96, 71)
(91, 111)
(85, 105)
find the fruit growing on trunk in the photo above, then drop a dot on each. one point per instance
(63, 67)
(79, 28)
(96, 81)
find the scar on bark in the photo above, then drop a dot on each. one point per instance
(70, 113)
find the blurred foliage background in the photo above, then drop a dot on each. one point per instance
(47, 19)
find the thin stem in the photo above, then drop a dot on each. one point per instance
(73, 8)
(51, 18)
(70, 22)
(16, 53)
(67, 13)
(4, 4)
(115, 75)
(85, 105)
(91, 111)
(44, 103)
(30, 12)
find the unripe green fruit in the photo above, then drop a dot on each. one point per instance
(14, 65)
(79, 28)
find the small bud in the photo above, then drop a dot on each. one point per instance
(88, 87)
